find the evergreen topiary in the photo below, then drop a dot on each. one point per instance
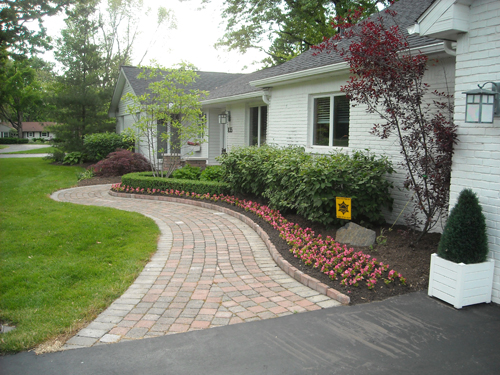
(464, 239)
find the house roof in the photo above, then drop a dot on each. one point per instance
(408, 11)
(31, 126)
(206, 81)
(36, 126)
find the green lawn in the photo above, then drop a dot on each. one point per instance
(61, 264)
(3, 146)
(45, 150)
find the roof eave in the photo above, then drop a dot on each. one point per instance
(115, 100)
(302, 75)
(233, 98)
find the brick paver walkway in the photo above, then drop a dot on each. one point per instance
(210, 270)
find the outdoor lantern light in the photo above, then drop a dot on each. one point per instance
(481, 104)
(225, 117)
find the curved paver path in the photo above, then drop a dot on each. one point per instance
(210, 270)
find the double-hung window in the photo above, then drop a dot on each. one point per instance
(331, 121)
(258, 125)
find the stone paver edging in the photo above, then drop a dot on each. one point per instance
(280, 261)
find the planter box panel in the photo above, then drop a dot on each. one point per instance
(444, 287)
(445, 280)
(461, 284)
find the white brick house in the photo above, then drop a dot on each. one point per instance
(474, 28)
(279, 105)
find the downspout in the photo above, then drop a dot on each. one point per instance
(448, 48)
(266, 95)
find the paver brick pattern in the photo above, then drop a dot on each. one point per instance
(210, 270)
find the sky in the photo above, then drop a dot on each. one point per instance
(198, 29)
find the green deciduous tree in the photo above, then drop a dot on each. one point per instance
(168, 115)
(284, 28)
(15, 16)
(20, 92)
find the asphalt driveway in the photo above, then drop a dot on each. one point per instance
(410, 334)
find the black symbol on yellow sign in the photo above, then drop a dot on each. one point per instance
(344, 208)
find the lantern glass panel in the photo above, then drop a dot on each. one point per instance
(487, 113)
(472, 113)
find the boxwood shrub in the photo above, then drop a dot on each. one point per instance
(307, 184)
(146, 180)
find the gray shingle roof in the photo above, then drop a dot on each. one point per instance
(206, 81)
(408, 11)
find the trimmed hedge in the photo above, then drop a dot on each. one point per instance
(145, 180)
(13, 141)
(292, 179)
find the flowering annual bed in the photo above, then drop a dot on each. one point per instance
(335, 260)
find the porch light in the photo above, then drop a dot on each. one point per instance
(224, 118)
(482, 105)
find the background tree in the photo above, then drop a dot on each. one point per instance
(20, 92)
(284, 28)
(168, 115)
(388, 78)
(81, 99)
(119, 27)
(15, 15)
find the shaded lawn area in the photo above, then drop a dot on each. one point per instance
(61, 264)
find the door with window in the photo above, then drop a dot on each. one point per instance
(258, 125)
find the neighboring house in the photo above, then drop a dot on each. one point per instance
(30, 130)
(6, 131)
(300, 103)
(129, 83)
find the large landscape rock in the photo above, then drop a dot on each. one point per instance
(355, 235)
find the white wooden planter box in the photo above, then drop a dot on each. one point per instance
(461, 284)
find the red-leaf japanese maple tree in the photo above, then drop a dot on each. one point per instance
(387, 77)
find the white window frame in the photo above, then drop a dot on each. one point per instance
(312, 119)
(259, 124)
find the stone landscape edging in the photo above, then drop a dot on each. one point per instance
(292, 271)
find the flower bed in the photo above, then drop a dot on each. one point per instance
(338, 262)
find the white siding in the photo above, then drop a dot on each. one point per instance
(476, 163)
(238, 137)
(214, 129)
(290, 116)
(122, 106)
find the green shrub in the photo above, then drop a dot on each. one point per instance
(187, 172)
(57, 155)
(13, 141)
(244, 168)
(464, 239)
(99, 145)
(307, 184)
(212, 173)
(73, 158)
(85, 175)
(146, 180)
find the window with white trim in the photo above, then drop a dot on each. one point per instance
(331, 121)
(258, 125)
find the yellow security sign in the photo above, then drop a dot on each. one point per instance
(344, 208)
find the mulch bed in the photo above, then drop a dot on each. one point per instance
(411, 261)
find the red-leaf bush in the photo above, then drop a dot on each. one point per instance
(121, 162)
(388, 78)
